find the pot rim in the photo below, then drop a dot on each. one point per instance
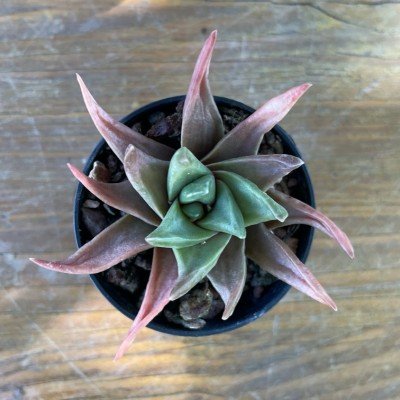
(277, 290)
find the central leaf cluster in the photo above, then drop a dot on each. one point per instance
(197, 197)
(204, 203)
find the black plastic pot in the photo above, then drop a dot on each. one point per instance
(247, 309)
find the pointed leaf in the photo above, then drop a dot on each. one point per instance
(121, 240)
(256, 206)
(176, 230)
(229, 275)
(202, 126)
(263, 170)
(245, 139)
(202, 190)
(163, 275)
(193, 211)
(119, 136)
(121, 196)
(148, 176)
(184, 168)
(301, 213)
(225, 215)
(273, 255)
(195, 262)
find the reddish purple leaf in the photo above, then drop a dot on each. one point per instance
(263, 170)
(273, 255)
(121, 240)
(163, 275)
(229, 275)
(119, 136)
(148, 176)
(245, 139)
(118, 195)
(301, 213)
(202, 126)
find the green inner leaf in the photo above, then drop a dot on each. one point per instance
(148, 176)
(225, 215)
(184, 168)
(177, 231)
(256, 206)
(193, 211)
(202, 190)
(195, 262)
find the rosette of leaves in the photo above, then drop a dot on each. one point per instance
(204, 208)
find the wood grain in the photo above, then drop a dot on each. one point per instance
(58, 335)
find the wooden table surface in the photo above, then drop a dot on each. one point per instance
(58, 335)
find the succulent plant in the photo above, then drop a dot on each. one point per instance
(204, 208)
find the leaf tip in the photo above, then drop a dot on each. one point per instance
(214, 35)
(74, 170)
(151, 241)
(117, 356)
(304, 87)
(242, 234)
(226, 314)
(297, 92)
(82, 84)
(329, 302)
(39, 262)
(344, 243)
(128, 150)
(281, 214)
(87, 96)
(350, 250)
(174, 296)
(180, 290)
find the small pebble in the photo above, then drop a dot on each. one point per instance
(118, 177)
(91, 203)
(216, 309)
(94, 220)
(156, 117)
(194, 324)
(196, 304)
(277, 146)
(262, 278)
(112, 163)
(282, 187)
(258, 291)
(137, 127)
(175, 319)
(142, 262)
(100, 172)
(109, 209)
(128, 262)
(270, 138)
(123, 279)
